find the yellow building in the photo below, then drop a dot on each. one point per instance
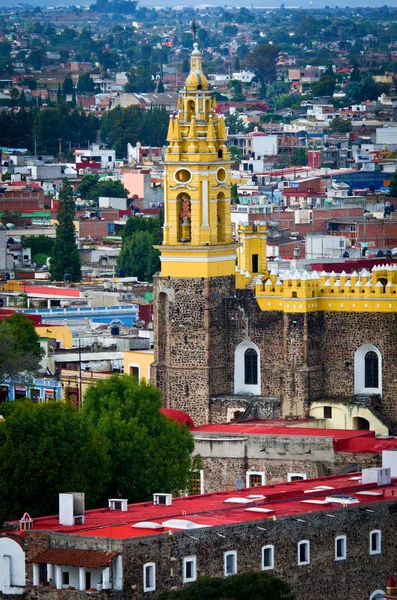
(60, 333)
(137, 363)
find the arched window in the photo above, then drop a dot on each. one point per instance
(371, 365)
(247, 378)
(250, 367)
(367, 370)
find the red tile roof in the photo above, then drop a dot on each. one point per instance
(92, 559)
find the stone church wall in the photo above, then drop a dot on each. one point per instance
(304, 356)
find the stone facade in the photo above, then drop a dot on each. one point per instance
(357, 577)
(227, 457)
(191, 353)
(304, 356)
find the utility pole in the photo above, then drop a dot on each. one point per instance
(80, 383)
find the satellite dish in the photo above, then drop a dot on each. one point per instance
(239, 484)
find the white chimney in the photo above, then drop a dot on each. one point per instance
(71, 508)
(378, 475)
(118, 504)
(164, 499)
(389, 461)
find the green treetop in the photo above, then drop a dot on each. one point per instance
(147, 451)
(20, 350)
(46, 449)
(253, 585)
(65, 256)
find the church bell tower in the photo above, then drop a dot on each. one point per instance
(198, 255)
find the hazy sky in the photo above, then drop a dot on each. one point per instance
(234, 3)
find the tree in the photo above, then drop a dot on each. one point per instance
(88, 182)
(36, 58)
(120, 126)
(20, 350)
(235, 154)
(147, 452)
(40, 247)
(67, 86)
(31, 83)
(12, 216)
(234, 124)
(14, 93)
(154, 127)
(85, 84)
(236, 89)
(160, 87)
(5, 49)
(38, 243)
(107, 188)
(48, 128)
(262, 60)
(255, 585)
(355, 74)
(185, 66)
(299, 157)
(57, 448)
(325, 86)
(393, 185)
(234, 193)
(65, 256)
(22, 100)
(140, 79)
(138, 257)
(339, 125)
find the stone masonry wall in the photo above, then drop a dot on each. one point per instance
(200, 322)
(222, 473)
(190, 342)
(343, 333)
(356, 577)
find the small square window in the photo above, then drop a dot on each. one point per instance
(189, 569)
(267, 558)
(296, 476)
(230, 563)
(327, 412)
(254, 478)
(340, 547)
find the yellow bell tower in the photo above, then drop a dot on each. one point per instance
(197, 224)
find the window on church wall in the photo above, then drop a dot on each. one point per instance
(250, 367)
(367, 370)
(371, 363)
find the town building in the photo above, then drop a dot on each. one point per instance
(340, 526)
